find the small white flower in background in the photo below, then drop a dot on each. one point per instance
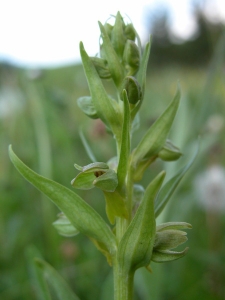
(215, 123)
(11, 101)
(210, 187)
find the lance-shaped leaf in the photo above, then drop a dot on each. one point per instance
(114, 64)
(58, 285)
(169, 188)
(118, 38)
(155, 137)
(102, 103)
(41, 289)
(142, 166)
(125, 144)
(87, 147)
(141, 76)
(135, 247)
(80, 214)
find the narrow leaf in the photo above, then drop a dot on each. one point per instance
(141, 76)
(169, 188)
(114, 64)
(125, 145)
(57, 283)
(36, 278)
(80, 214)
(101, 101)
(155, 137)
(87, 147)
(135, 247)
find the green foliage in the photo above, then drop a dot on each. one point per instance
(80, 214)
(55, 281)
(66, 148)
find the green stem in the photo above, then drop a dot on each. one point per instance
(123, 283)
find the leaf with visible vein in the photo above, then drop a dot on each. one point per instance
(125, 145)
(80, 214)
(155, 137)
(57, 283)
(169, 188)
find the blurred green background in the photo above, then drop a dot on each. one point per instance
(40, 118)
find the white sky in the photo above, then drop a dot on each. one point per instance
(47, 32)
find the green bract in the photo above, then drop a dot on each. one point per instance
(135, 248)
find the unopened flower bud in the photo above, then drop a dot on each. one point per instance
(108, 29)
(101, 67)
(118, 38)
(87, 106)
(130, 32)
(131, 57)
(133, 89)
(169, 236)
(169, 152)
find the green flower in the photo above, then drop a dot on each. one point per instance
(97, 174)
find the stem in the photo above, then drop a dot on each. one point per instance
(123, 282)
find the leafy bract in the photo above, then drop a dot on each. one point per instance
(110, 54)
(80, 214)
(102, 103)
(135, 247)
(155, 137)
(115, 206)
(125, 144)
(169, 188)
(141, 76)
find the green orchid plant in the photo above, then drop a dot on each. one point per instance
(131, 239)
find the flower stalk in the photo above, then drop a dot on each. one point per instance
(131, 239)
